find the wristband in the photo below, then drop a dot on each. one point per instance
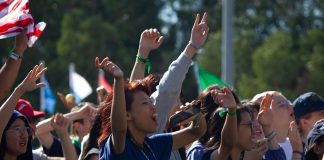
(233, 113)
(145, 61)
(194, 46)
(15, 56)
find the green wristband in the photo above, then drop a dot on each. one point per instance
(145, 61)
(231, 113)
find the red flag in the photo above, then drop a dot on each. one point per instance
(15, 18)
(102, 81)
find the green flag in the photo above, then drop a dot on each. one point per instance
(206, 79)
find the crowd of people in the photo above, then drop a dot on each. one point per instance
(133, 121)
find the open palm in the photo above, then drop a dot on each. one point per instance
(29, 83)
(109, 67)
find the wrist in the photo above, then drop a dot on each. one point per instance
(193, 45)
(19, 50)
(144, 53)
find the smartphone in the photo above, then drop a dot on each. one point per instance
(183, 115)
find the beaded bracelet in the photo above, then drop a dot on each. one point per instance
(194, 46)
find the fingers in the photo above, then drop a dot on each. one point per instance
(197, 20)
(203, 20)
(41, 73)
(160, 40)
(102, 63)
(40, 85)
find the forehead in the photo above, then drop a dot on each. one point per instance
(17, 123)
(140, 95)
(245, 116)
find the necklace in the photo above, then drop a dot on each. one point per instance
(146, 149)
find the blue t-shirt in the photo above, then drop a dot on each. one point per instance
(195, 152)
(158, 147)
(56, 149)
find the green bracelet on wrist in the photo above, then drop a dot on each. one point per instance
(14, 56)
(231, 113)
(145, 61)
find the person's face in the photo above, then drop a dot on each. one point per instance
(143, 113)
(245, 141)
(283, 111)
(308, 124)
(17, 138)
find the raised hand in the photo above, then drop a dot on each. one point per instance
(199, 31)
(265, 116)
(109, 67)
(225, 99)
(68, 104)
(150, 40)
(29, 83)
(294, 137)
(60, 124)
(87, 111)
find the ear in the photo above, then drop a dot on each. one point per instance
(128, 116)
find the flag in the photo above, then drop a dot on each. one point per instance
(79, 86)
(102, 81)
(15, 18)
(47, 97)
(205, 79)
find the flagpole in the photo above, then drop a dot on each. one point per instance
(42, 90)
(227, 46)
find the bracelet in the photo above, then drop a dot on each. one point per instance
(15, 56)
(299, 152)
(271, 135)
(194, 46)
(145, 61)
(231, 113)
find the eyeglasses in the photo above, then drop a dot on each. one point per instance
(33, 120)
(19, 130)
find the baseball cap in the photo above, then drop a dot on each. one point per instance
(307, 103)
(25, 108)
(316, 135)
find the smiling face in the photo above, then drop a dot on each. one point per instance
(17, 138)
(142, 115)
(245, 141)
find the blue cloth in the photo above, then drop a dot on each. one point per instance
(278, 154)
(56, 149)
(159, 148)
(195, 152)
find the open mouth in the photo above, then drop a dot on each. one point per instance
(154, 117)
(22, 144)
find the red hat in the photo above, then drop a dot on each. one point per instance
(25, 108)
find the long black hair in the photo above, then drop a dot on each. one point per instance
(28, 155)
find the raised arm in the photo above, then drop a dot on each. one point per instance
(150, 40)
(191, 133)
(170, 84)
(118, 109)
(27, 85)
(61, 124)
(10, 69)
(265, 117)
(44, 128)
(229, 131)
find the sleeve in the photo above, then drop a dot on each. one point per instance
(169, 88)
(55, 150)
(278, 154)
(195, 153)
(106, 151)
(164, 140)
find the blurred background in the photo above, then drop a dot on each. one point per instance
(277, 44)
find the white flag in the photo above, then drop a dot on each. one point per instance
(78, 85)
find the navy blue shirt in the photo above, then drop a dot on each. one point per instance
(157, 147)
(56, 149)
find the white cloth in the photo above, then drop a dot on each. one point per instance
(37, 155)
(286, 146)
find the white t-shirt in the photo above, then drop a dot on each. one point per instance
(37, 155)
(286, 146)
